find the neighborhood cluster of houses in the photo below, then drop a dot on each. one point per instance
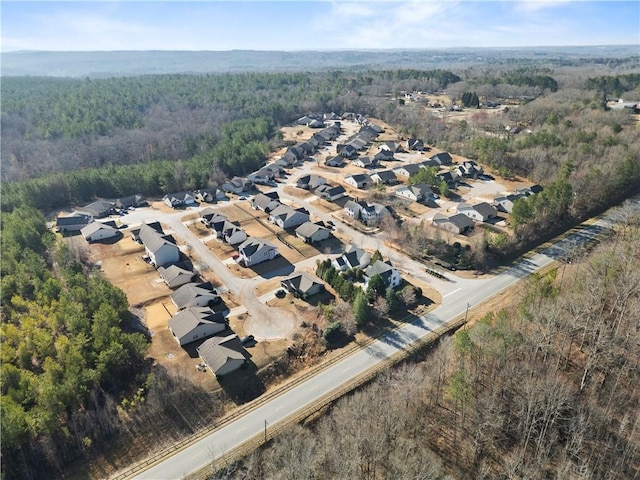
(357, 258)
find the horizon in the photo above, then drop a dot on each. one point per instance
(225, 26)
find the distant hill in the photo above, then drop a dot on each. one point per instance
(129, 63)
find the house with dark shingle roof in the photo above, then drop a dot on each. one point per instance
(415, 144)
(480, 212)
(415, 193)
(99, 231)
(130, 201)
(337, 161)
(160, 249)
(312, 232)
(354, 257)
(310, 182)
(223, 355)
(233, 234)
(303, 285)
(390, 275)
(174, 276)
(194, 295)
(177, 200)
(237, 185)
(505, 203)
(73, 223)
(443, 158)
(458, 223)
(255, 250)
(385, 177)
(288, 217)
(266, 201)
(347, 151)
(331, 193)
(367, 213)
(135, 233)
(365, 162)
(407, 170)
(196, 323)
(358, 180)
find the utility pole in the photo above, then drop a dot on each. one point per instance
(466, 313)
(265, 431)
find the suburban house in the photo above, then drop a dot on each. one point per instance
(310, 182)
(365, 162)
(390, 275)
(255, 250)
(233, 234)
(135, 233)
(458, 223)
(196, 323)
(98, 209)
(217, 224)
(331, 193)
(415, 193)
(130, 201)
(99, 231)
(392, 147)
(237, 185)
(450, 178)
(481, 212)
(469, 169)
(337, 161)
(359, 180)
(265, 176)
(347, 151)
(505, 203)
(177, 200)
(288, 217)
(302, 285)
(194, 295)
(383, 155)
(385, 177)
(160, 249)
(265, 201)
(312, 232)
(367, 213)
(415, 144)
(528, 191)
(209, 213)
(209, 195)
(407, 170)
(174, 276)
(223, 355)
(354, 257)
(443, 158)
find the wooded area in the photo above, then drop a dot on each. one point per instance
(546, 389)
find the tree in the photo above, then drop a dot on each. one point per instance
(375, 287)
(361, 309)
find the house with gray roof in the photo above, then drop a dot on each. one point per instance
(223, 355)
(255, 250)
(208, 213)
(312, 232)
(237, 185)
(415, 144)
(505, 203)
(233, 234)
(161, 250)
(303, 285)
(385, 177)
(130, 201)
(217, 224)
(480, 212)
(365, 162)
(310, 182)
(337, 161)
(209, 195)
(443, 158)
(99, 231)
(135, 233)
(358, 180)
(367, 213)
(354, 257)
(407, 170)
(331, 193)
(347, 150)
(390, 275)
(174, 276)
(194, 295)
(383, 155)
(288, 217)
(266, 201)
(73, 223)
(416, 193)
(458, 223)
(178, 200)
(196, 323)
(98, 209)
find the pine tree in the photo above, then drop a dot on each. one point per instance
(361, 309)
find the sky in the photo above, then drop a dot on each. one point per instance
(314, 25)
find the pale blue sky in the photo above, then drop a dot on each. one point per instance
(311, 25)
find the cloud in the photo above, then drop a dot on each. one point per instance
(529, 6)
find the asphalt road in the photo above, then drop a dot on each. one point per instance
(331, 379)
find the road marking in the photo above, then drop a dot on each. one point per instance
(451, 293)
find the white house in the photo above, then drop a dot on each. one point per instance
(359, 180)
(312, 232)
(480, 212)
(354, 257)
(233, 234)
(407, 170)
(161, 250)
(288, 217)
(99, 231)
(364, 212)
(331, 193)
(176, 200)
(415, 193)
(255, 250)
(458, 223)
(196, 323)
(390, 275)
(385, 177)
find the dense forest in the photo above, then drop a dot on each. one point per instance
(545, 389)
